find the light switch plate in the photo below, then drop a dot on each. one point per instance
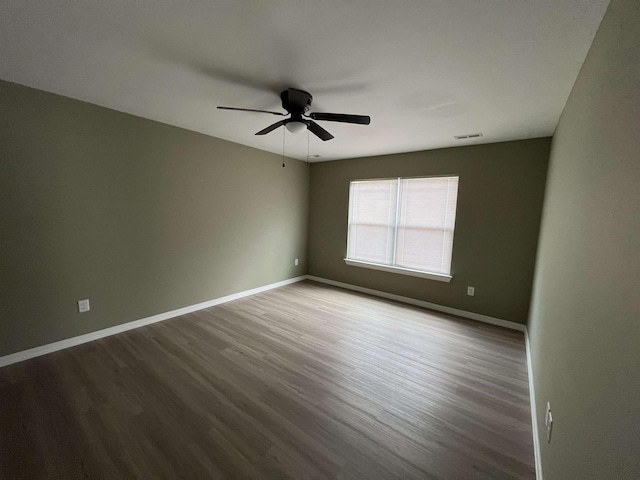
(471, 291)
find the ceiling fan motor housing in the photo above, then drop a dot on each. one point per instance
(296, 102)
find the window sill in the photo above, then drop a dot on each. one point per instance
(439, 277)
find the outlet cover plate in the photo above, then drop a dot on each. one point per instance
(83, 306)
(548, 422)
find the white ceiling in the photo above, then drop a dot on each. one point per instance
(423, 70)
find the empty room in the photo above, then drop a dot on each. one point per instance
(320, 240)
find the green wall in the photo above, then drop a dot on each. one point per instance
(497, 224)
(584, 328)
(137, 216)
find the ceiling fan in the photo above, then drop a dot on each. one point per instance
(297, 103)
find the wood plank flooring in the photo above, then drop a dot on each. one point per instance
(303, 382)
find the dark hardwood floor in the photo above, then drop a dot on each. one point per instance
(303, 382)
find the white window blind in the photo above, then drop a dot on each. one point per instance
(372, 220)
(403, 222)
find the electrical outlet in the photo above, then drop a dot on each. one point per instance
(83, 306)
(295, 262)
(471, 291)
(548, 422)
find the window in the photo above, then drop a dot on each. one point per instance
(403, 225)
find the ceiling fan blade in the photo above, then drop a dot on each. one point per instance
(253, 110)
(341, 117)
(318, 131)
(271, 128)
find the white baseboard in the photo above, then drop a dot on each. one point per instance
(71, 342)
(534, 414)
(420, 303)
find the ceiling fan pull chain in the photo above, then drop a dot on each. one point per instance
(283, 132)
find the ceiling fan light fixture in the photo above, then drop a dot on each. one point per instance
(297, 103)
(296, 127)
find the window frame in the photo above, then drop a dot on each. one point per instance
(440, 277)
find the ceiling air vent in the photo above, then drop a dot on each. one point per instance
(471, 135)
